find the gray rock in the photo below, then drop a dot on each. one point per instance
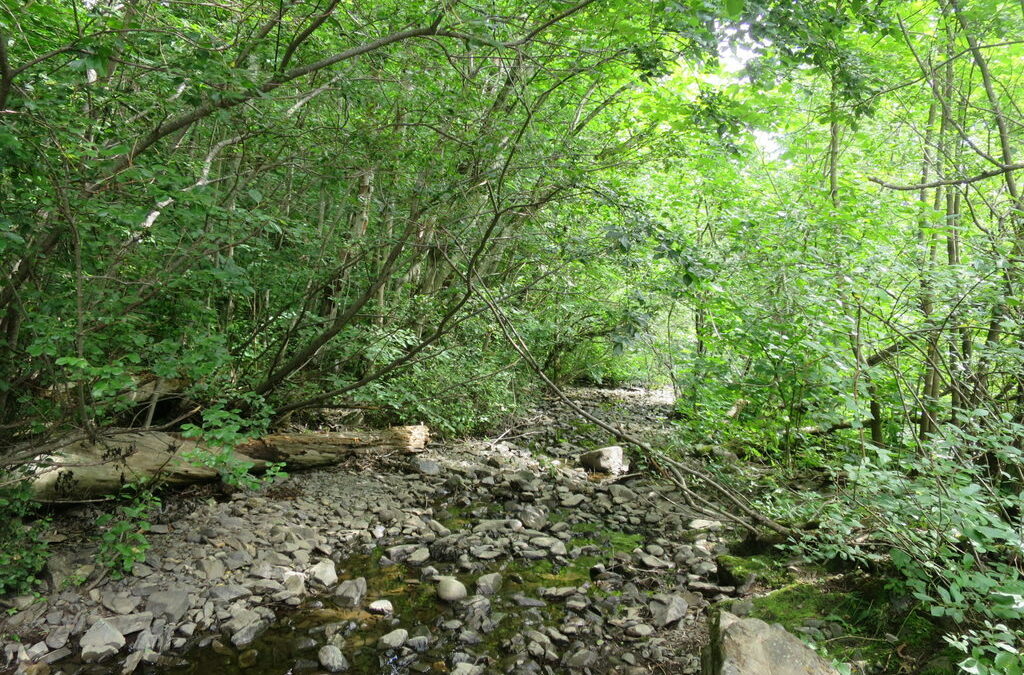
(574, 499)
(610, 460)
(667, 609)
(119, 603)
(467, 669)
(226, 593)
(100, 641)
(352, 591)
(324, 573)
(701, 524)
(753, 647)
(131, 623)
(584, 658)
(332, 660)
(382, 607)
(419, 556)
(394, 639)
(212, 568)
(488, 584)
(533, 517)
(451, 589)
(642, 630)
(426, 467)
(171, 604)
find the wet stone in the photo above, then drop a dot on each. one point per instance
(332, 660)
(394, 639)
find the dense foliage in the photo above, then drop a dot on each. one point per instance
(216, 217)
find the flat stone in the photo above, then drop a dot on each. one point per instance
(212, 568)
(702, 524)
(667, 609)
(419, 556)
(332, 660)
(573, 500)
(100, 642)
(394, 639)
(351, 591)
(488, 584)
(131, 623)
(229, 592)
(324, 572)
(584, 658)
(642, 630)
(427, 467)
(451, 589)
(120, 603)
(171, 604)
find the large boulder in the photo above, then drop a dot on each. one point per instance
(753, 647)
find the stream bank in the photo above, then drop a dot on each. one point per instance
(498, 555)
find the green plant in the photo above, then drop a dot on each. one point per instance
(221, 432)
(23, 551)
(123, 541)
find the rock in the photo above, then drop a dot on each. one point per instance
(427, 467)
(119, 603)
(622, 495)
(247, 659)
(488, 584)
(451, 589)
(467, 669)
(394, 639)
(383, 607)
(212, 568)
(228, 593)
(667, 609)
(332, 660)
(100, 642)
(753, 647)
(533, 517)
(584, 658)
(701, 524)
(324, 573)
(131, 623)
(171, 604)
(574, 499)
(609, 460)
(419, 556)
(641, 630)
(352, 591)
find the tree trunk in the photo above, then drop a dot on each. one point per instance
(85, 469)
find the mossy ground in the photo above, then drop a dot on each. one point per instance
(878, 627)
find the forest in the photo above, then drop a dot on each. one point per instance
(224, 218)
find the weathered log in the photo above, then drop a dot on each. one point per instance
(85, 469)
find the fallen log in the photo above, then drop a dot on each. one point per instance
(83, 469)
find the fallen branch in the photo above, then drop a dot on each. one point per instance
(516, 341)
(84, 469)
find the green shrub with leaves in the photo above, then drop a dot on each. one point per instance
(123, 541)
(947, 527)
(23, 551)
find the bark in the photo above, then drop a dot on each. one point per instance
(84, 469)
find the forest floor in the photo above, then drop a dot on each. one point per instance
(498, 555)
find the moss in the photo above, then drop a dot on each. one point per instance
(734, 570)
(876, 631)
(613, 541)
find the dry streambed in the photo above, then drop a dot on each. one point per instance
(483, 557)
